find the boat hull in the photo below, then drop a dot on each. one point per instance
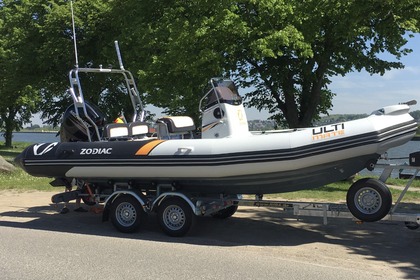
(253, 164)
(280, 182)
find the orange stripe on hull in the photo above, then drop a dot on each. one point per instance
(146, 149)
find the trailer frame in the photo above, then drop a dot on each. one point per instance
(327, 210)
(176, 210)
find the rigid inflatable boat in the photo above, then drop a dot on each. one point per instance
(225, 159)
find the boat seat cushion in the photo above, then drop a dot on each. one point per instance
(116, 130)
(138, 128)
(178, 124)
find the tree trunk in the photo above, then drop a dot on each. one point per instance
(9, 126)
(8, 138)
(311, 94)
(291, 112)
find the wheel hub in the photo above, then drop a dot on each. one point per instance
(174, 217)
(126, 214)
(368, 200)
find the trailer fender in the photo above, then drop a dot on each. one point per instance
(113, 196)
(166, 195)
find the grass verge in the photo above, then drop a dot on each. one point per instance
(19, 180)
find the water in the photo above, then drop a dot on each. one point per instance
(397, 155)
(34, 137)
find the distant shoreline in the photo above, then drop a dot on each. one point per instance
(51, 132)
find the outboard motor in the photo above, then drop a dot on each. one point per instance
(78, 127)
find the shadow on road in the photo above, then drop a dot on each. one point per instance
(265, 227)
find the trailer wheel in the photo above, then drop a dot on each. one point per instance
(127, 213)
(175, 216)
(369, 200)
(225, 213)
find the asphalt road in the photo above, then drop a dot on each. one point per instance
(36, 242)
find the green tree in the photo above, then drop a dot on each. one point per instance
(37, 53)
(174, 57)
(285, 51)
(95, 43)
(18, 37)
(291, 60)
(416, 115)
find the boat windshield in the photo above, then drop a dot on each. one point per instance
(222, 91)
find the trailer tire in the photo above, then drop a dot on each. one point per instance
(369, 200)
(175, 216)
(126, 213)
(225, 213)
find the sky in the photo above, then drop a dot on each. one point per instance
(362, 93)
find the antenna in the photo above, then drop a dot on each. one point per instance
(74, 34)
(117, 48)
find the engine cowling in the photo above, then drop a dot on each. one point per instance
(73, 129)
